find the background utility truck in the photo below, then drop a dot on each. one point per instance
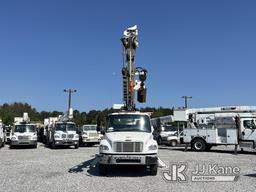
(2, 135)
(128, 138)
(209, 127)
(61, 131)
(89, 135)
(24, 132)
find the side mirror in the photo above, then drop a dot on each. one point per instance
(102, 132)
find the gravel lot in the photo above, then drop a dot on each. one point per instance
(69, 169)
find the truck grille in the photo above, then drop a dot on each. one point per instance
(70, 136)
(23, 137)
(63, 136)
(93, 135)
(128, 146)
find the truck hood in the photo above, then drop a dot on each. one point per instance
(24, 134)
(129, 136)
(65, 132)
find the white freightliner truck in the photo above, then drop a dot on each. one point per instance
(2, 135)
(127, 136)
(24, 132)
(207, 127)
(89, 135)
(61, 131)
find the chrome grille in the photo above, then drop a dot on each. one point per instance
(23, 137)
(70, 136)
(93, 135)
(128, 146)
(63, 136)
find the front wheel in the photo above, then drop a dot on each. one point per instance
(173, 143)
(103, 169)
(153, 169)
(159, 141)
(76, 146)
(198, 145)
(53, 145)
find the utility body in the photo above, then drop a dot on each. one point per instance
(207, 127)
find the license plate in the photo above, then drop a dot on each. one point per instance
(128, 157)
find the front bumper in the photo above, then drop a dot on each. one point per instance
(128, 159)
(91, 140)
(66, 142)
(23, 142)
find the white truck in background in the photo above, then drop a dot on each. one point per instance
(209, 127)
(24, 132)
(89, 135)
(169, 135)
(2, 135)
(61, 131)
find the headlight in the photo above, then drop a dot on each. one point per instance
(104, 148)
(34, 138)
(152, 147)
(14, 138)
(56, 136)
(76, 136)
(84, 133)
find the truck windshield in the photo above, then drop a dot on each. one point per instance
(89, 127)
(170, 128)
(24, 128)
(127, 122)
(65, 127)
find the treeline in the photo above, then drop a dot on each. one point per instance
(9, 111)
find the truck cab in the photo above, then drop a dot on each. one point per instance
(62, 134)
(24, 134)
(128, 140)
(89, 135)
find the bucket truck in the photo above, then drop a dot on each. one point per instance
(61, 131)
(24, 132)
(229, 125)
(127, 135)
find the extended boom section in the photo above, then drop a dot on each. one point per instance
(133, 78)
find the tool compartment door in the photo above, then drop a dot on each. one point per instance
(232, 136)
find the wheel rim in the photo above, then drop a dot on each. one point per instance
(198, 145)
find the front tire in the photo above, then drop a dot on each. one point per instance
(159, 141)
(199, 145)
(153, 169)
(173, 143)
(103, 169)
(53, 145)
(76, 146)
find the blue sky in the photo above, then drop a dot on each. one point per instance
(206, 49)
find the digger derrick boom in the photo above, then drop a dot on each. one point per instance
(130, 72)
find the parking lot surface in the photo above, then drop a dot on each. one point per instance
(68, 169)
